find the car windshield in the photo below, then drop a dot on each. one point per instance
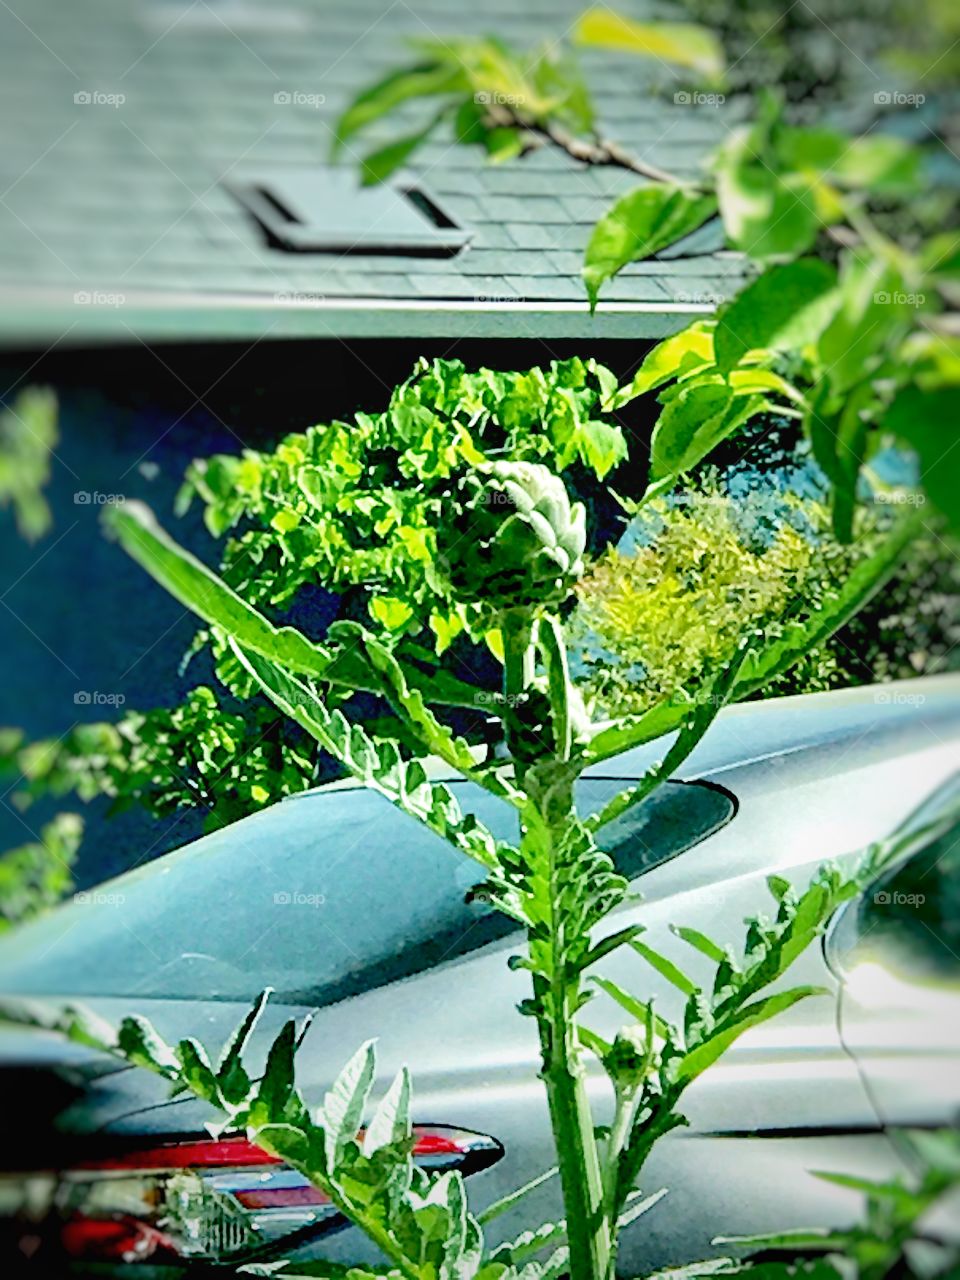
(322, 896)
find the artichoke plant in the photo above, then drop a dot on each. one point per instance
(509, 537)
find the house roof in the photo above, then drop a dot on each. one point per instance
(128, 126)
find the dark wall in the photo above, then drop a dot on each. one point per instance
(78, 616)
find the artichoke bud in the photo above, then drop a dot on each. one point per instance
(627, 1062)
(509, 537)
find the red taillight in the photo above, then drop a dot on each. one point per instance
(215, 1199)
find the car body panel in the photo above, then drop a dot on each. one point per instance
(816, 778)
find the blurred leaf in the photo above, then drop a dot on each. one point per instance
(784, 309)
(639, 224)
(683, 44)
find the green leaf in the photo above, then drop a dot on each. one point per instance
(800, 638)
(695, 1062)
(634, 731)
(639, 1010)
(765, 214)
(508, 1201)
(345, 1102)
(696, 418)
(425, 80)
(232, 1078)
(199, 589)
(378, 165)
(785, 309)
(700, 942)
(684, 352)
(602, 445)
(638, 225)
(144, 1047)
(665, 967)
(390, 1126)
(276, 1088)
(682, 43)
(196, 1072)
(927, 422)
(374, 762)
(872, 305)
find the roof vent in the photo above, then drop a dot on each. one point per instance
(325, 211)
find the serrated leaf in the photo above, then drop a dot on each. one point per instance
(196, 1071)
(639, 1010)
(142, 1045)
(390, 1125)
(232, 1078)
(345, 1102)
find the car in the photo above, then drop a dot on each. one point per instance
(349, 907)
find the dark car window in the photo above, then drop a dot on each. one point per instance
(908, 920)
(322, 896)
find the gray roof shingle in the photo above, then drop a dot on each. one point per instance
(123, 194)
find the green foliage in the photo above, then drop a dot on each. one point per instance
(895, 1237)
(652, 1062)
(418, 1219)
(197, 755)
(653, 623)
(28, 433)
(357, 505)
(38, 874)
(490, 94)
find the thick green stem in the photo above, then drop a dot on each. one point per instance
(588, 1229)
